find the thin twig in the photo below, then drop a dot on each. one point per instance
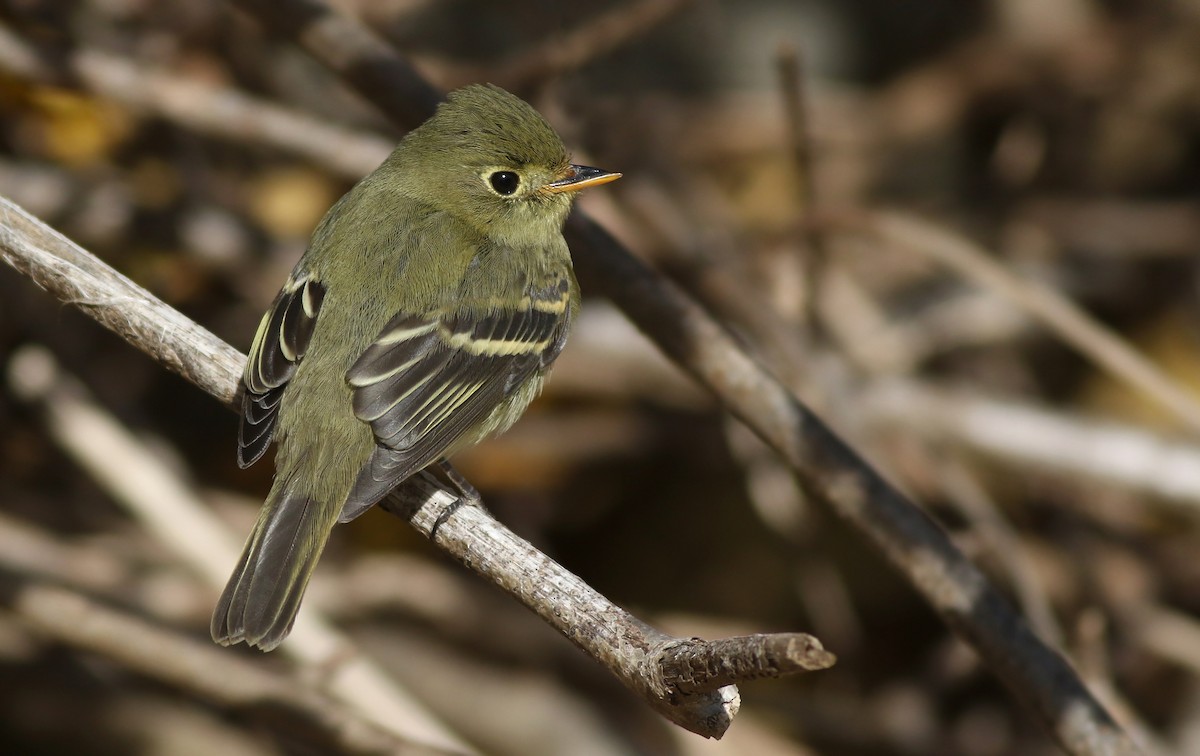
(790, 65)
(1093, 650)
(695, 666)
(972, 499)
(1167, 633)
(26, 549)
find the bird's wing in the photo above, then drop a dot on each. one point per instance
(282, 338)
(429, 379)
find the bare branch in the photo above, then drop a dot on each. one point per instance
(647, 661)
(74, 276)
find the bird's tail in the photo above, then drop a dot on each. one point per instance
(260, 601)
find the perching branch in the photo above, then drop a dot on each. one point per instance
(916, 546)
(647, 661)
(689, 681)
(75, 276)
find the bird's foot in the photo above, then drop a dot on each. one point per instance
(467, 495)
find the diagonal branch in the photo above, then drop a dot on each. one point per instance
(664, 670)
(75, 276)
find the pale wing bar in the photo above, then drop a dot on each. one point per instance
(426, 381)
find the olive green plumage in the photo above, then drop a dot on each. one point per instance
(430, 303)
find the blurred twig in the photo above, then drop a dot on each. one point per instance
(1117, 228)
(1037, 437)
(201, 106)
(792, 88)
(1169, 634)
(220, 677)
(1091, 640)
(973, 500)
(358, 56)
(1072, 324)
(27, 550)
(563, 53)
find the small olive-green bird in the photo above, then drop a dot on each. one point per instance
(423, 317)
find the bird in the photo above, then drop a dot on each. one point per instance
(422, 318)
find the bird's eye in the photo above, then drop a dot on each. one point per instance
(504, 182)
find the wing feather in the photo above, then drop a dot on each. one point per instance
(427, 380)
(279, 345)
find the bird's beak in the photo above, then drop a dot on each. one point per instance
(580, 177)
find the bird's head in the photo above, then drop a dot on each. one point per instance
(490, 159)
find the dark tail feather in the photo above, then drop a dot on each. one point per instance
(260, 601)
